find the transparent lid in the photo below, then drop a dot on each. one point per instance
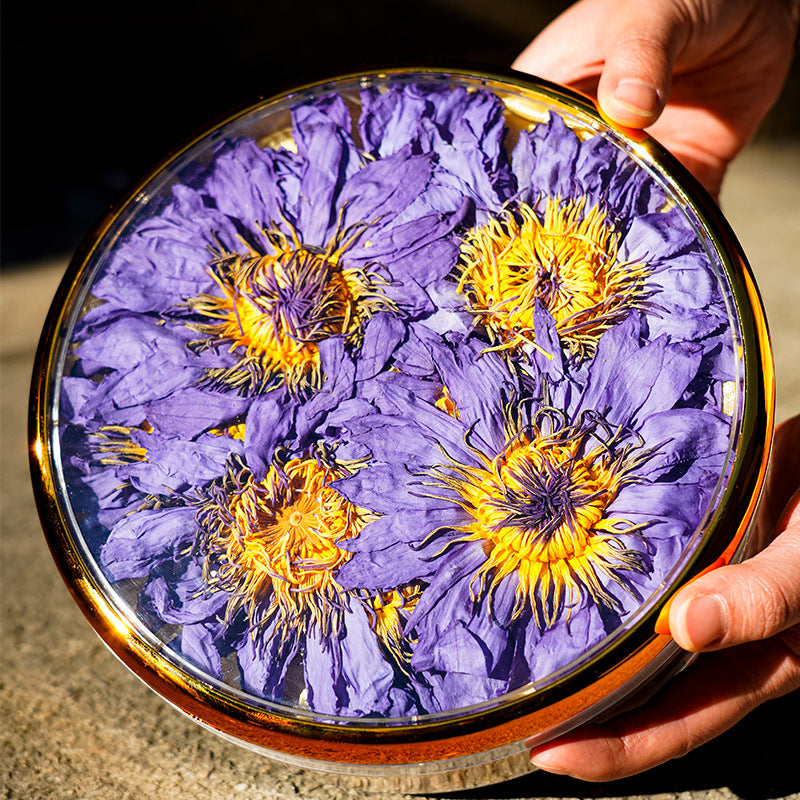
(398, 398)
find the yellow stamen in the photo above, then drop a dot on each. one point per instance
(389, 608)
(276, 305)
(445, 403)
(235, 431)
(540, 510)
(116, 445)
(568, 261)
(273, 544)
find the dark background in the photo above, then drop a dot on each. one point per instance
(95, 94)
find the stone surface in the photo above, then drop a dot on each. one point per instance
(77, 724)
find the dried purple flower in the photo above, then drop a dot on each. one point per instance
(395, 420)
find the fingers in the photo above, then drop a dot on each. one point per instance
(570, 49)
(641, 51)
(700, 704)
(760, 597)
(782, 483)
(755, 605)
(746, 602)
(631, 46)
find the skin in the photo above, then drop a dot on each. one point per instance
(700, 76)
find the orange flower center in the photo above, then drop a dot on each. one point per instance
(567, 261)
(274, 308)
(540, 508)
(273, 544)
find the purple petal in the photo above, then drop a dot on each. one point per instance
(655, 237)
(269, 422)
(165, 260)
(138, 541)
(322, 135)
(185, 598)
(384, 558)
(190, 411)
(128, 342)
(390, 120)
(557, 646)
(628, 383)
(198, 644)
(178, 464)
(382, 336)
(384, 489)
(660, 502)
(75, 395)
(382, 189)
(554, 149)
(691, 437)
(347, 673)
(249, 184)
(339, 370)
(264, 661)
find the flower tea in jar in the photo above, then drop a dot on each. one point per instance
(377, 426)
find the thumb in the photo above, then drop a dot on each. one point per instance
(640, 53)
(744, 602)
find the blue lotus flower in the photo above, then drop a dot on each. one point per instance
(570, 222)
(536, 523)
(247, 568)
(398, 420)
(228, 291)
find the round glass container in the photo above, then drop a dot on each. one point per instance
(378, 424)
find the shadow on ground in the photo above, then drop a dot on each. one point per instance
(756, 760)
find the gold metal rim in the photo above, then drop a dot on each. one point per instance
(471, 733)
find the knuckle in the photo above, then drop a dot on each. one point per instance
(771, 599)
(791, 640)
(640, 48)
(779, 594)
(761, 601)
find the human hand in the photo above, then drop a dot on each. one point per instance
(748, 614)
(700, 76)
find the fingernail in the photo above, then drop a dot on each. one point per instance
(638, 97)
(548, 761)
(702, 621)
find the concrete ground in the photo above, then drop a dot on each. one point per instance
(74, 723)
(77, 724)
